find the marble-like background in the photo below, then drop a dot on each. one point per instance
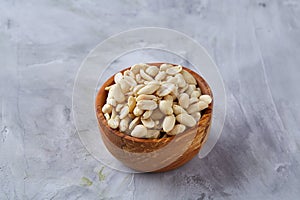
(256, 45)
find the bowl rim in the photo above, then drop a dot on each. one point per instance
(110, 81)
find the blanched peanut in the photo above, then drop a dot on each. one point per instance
(145, 76)
(118, 77)
(168, 98)
(146, 105)
(174, 70)
(178, 109)
(193, 100)
(125, 86)
(148, 123)
(137, 88)
(124, 124)
(181, 82)
(194, 108)
(175, 92)
(165, 89)
(139, 131)
(186, 119)
(131, 103)
(183, 89)
(178, 128)
(129, 73)
(107, 108)
(139, 79)
(153, 133)
(146, 97)
(136, 68)
(196, 94)
(134, 122)
(124, 112)
(172, 79)
(196, 115)
(169, 123)
(184, 100)
(152, 71)
(113, 122)
(130, 81)
(137, 111)
(198, 89)
(166, 107)
(147, 114)
(116, 92)
(119, 107)
(149, 89)
(108, 88)
(160, 76)
(112, 102)
(203, 105)
(164, 67)
(107, 116)
(206, 98)
(190, 89)
(113, 113)
(189, 78)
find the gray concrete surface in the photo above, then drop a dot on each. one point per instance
(256, 45)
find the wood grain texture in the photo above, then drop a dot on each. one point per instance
(155, 155)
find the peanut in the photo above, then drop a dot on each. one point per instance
(152, 71)
(124, 112)
(139, 131)
(107, 108)
(166, 107)
(169, 123)
(178, 128)
(148, 89)
(146, 105)
(189, 78)
(206, 98)
(186, 119)
(149, 123)
(184, 100)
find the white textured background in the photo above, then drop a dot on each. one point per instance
(256, 45)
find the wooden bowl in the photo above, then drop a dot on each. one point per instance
(155, 155)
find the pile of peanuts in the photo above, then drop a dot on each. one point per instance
(154, 102)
